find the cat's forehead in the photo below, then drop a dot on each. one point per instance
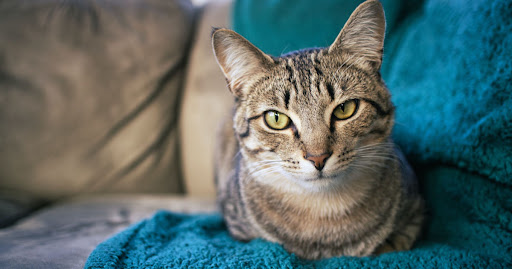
(303, 59)
(305, 65)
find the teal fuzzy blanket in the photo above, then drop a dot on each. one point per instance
(449, 67)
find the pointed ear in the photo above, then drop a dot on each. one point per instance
(363, 34)
(240, 61)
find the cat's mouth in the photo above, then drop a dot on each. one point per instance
(330, 176)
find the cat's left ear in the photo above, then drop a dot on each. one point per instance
(363, 33)
(240, 61)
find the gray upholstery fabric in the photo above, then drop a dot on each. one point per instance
(14, 206)
(89, 95)
(63, 236)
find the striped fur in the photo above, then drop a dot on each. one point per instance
(363, 200)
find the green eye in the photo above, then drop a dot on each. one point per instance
(346, 110)
(276, 120)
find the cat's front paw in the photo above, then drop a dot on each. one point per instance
(384, 248)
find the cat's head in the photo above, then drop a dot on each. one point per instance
(316, 115)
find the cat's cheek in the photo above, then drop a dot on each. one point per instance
(251, 143)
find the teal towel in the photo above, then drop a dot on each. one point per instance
(449, 67)
(278, 27)
(170, 240)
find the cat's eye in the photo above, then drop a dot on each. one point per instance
(276, 120)
(346, 110)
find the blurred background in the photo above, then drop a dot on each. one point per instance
(109, 111)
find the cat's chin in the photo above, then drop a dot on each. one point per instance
(318, 184)
(313, 175)
(321, 181)
(309, 181)
(325, 176)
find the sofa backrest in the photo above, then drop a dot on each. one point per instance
(89, 95)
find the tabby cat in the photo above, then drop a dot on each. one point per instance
(306, 159)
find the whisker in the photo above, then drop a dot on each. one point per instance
(267, 161)
(264, 171)
(363, 168)
(377, 145)
(255, 166)
(375, 160)
(262, 165)
(377, 156)
(236, 155)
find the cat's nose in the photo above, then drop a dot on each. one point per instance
(318, 160)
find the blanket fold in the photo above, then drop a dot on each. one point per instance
(171, 240)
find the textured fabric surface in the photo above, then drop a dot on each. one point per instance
(450, 71)
(63, 235)
(14, 205)
(89, 92)
(172, 240)
(451, 78)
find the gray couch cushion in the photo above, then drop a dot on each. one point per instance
(89, 92)
(14, 205)
(63, 236)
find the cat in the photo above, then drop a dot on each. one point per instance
(306, 159)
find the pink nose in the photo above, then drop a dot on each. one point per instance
(318, 160)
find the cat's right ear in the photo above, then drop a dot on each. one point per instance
(240, 61)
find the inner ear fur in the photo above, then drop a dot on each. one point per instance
(240, 61)
(363, 33)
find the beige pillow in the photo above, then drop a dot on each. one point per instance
(206, 102)
(89, 92)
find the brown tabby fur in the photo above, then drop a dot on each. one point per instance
(363, 201)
